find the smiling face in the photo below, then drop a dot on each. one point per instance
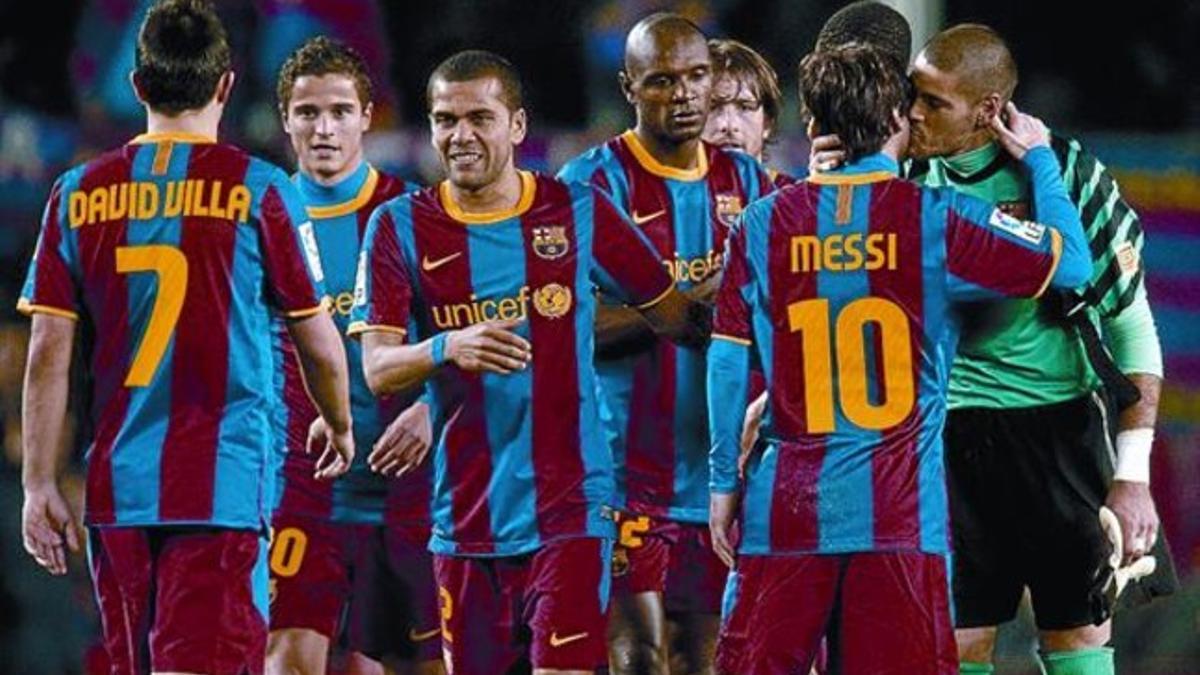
(737, 119)
(326, 122)
(668, 80)
(473, 130)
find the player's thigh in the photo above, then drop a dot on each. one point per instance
(894, 616)
(637, 633)
(394, 613)
(477, 606)
(776, 612)
(309, 578)
(121, 562)
(296, 651)
(565, 604)
(210, 601)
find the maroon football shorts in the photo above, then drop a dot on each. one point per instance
(183, 599)
(550, 606)
(669, 557)
(884, 612)
(310, 581)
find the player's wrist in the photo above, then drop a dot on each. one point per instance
(439, 349)
(1133, 455)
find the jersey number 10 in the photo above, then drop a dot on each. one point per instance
(811, 319)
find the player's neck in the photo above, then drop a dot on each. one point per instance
(326, 179)
(501, 195)
(201, 121)
(683, 155)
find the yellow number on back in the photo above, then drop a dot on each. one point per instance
(170, 266)
(811, 317)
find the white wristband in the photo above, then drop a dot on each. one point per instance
(1133, 455)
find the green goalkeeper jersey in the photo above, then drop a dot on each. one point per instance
(1014, 353)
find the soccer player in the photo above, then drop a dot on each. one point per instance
(1028, 433)
(483, 286)
(746, 102)
(844, 519)
(683, 194)
(171, 251)
(332, 556)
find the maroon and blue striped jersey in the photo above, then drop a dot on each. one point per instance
(841, 287)
(520, 459)
(339, 214)
(653, 403)
(171, 251)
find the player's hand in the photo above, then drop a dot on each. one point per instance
(750, 425)
(490, 346)
(1133, 506)
(722, 508)
(405, 443)
(1122, 573)
(337, 449)
(705, 292)
(826, 154)
(48, 527)
(1021, 132)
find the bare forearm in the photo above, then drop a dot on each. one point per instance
(323, 364)
(44, 400)
(620, 331)
(391, 367)
(1144, 413)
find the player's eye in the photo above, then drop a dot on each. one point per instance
(749, 106)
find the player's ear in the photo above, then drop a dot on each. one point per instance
(987, 108)
(810, 129)
(133, 82)
(519, 125)
(224, 87)
(368, 110)
(626, 86)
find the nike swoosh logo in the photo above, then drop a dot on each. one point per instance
(414, 636)
(556, 641)
(431, 265)
(642, 220)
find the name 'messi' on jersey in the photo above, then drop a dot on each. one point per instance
(844, 252)
(147, 200)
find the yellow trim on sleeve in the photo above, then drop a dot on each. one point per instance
(176, 136)
(1056, 245)
(849, 178)
(661, 296)
(324, 305)
(29, 309)
(359, 327)
(351, 205)
(732, 338)
(528, 190)
(649, 163)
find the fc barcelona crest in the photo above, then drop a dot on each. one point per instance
(550, 242)
(729, 207)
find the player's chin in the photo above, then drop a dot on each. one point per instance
(680, 132)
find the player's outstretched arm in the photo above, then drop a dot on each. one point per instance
(621, 331)
(680, 318)
(47, 523)
(327, 379)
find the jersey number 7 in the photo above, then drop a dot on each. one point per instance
(171, 267)
(811, 318)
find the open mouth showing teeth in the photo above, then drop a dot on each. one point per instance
(466, 157)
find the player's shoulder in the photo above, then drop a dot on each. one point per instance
(582, 167)
(389, 185)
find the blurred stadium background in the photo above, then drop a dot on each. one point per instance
(1120, 76)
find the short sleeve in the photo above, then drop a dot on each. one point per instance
(731, 320)
(51, 285)
(295, 278)
(991, 254)
(383, 287)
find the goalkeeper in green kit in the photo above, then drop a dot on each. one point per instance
(1052, 402)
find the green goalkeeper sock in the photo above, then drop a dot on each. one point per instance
(1097, 661)
(975, 668)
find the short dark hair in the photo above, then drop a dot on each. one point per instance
(852, 91)
(746, 65)
(474, 64)
(323, 56)
(182, 52)
(978, 55)
(872, 23)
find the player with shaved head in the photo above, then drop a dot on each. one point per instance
(683, 194)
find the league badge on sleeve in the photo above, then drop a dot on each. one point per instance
(1026, 230)
(550, 242)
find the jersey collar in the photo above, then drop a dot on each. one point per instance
(346, 196)
(870, 169)
(528, 190)
(649, 163)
